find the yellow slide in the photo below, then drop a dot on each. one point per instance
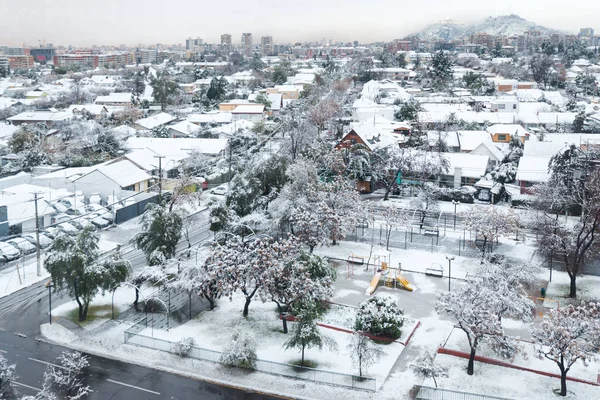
(373, 284)
(402, 280)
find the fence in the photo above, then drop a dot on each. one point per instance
(430, 393)
(133, 336)
(131, 211)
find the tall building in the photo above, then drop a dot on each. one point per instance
(194, 45)
(586, 32)
(247, 45)
(43, 54)
(4, 65)
(13, 51)
(226, 39)
(266, 45)
(147, 56)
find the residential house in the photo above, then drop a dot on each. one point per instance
(183, 129)
(369, 136)
(154, 121)
(464, 169)
(249, 112)
(113, 179)
(394, 74)
(115, 99)
(488, 148)
(532, 170)
(34, 117)
(501, 133)
(210, 118)
(504, 105)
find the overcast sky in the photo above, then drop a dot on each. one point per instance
(84, 22)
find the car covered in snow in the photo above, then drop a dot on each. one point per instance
(9, 251)
(23, 245)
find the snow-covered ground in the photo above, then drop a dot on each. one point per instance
(20, 275)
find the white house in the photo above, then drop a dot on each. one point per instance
(504, 105)
(183, 129)
(154, 121)
(113, 179)
(249, 112)
(115, 99)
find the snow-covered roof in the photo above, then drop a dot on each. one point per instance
(276, 101)
(19, 204)
(249, 109)
(472, 165)
(451, 138)
(33, 116)
(543, 149)
(373, 137)
(507, 129)
(533, 169)
(185, 127)
(124, 98)
(123, 172)
(155, 120)
(491, 147)
(6, 130)
(212, 117)
(175, 146)
(470, 140)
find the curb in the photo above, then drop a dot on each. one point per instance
(492, 361)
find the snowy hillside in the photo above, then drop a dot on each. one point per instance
(506, 25)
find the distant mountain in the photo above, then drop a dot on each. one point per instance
(506, 25)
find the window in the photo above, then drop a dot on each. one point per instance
(501, 106)
(514, 106)
(502, 138)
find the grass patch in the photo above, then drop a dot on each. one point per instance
(299, 367)
(95, 312)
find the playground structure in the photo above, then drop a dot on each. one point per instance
(382, 268)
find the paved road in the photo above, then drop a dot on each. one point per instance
(110, 379)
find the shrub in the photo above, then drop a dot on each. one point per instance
(183, 347)
(380, 316)
(240, 351)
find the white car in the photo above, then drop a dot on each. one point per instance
(99, 221)
(9, 251)
(45, 241)
(68, 228)
(219, 191)
(23, 245)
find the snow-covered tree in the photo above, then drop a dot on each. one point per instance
(344, 206)
(321, 113)
(568, 334)
(542, 67)
(426, 201)
(164, 89)
(183, 347)
(305, 332)
(393, 218)
(380, 316)
(306, 278)
(194, 278)
(161, 231)
(473, 313)
(7, 374)
(152, 274)
(363, 352)
(425, 367)
(240, 351)
(68, 380)
(440, 71)
(490, 223)
(247, 266)
(73, 265)
(570, 241)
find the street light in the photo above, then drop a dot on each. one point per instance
(449, 258)
(455, 202)
(49, 285)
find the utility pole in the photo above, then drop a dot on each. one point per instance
(37, 236)
(159, 178)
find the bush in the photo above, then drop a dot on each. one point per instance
(183, 347)
(380, 316)
(460, 194)
(240, 351)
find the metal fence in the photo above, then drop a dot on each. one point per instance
(430, 393)
(134, 210)
(133, 336)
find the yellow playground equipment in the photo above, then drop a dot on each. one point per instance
(392, 277)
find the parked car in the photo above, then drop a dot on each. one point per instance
(93, 207)
(219, 191)
(3, 260)
(58, 218)
(86, 223)
(99, 221)
(23, 245)
(68, 228)
(45, 241)
(9, 251)
(52, 232)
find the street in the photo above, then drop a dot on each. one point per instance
(109, 379)
(22, 313)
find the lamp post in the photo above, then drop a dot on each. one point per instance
(455, 203)
(49, 285)
(449, 258)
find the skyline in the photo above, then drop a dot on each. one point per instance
(67, 22)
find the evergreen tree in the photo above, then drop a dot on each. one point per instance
(164, 90)
(161, 231)
(440, 72)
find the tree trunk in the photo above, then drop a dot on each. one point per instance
(302, 362)
(83, 311)
(190, 304)
(248, 300)
(563, 383)
(471, 361)
(137, 298)
(573, 287)
(310, 249)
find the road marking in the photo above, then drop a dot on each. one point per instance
(134, 387)
(27, 386)
(47, 363)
